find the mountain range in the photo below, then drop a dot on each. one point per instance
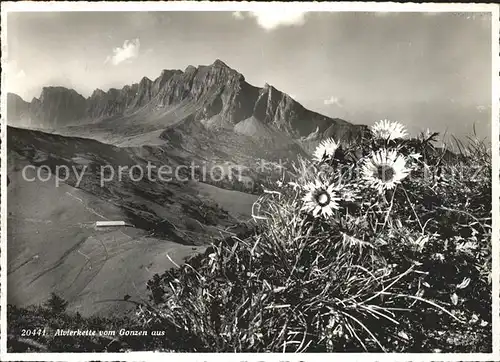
(216, 95)
(205, 115)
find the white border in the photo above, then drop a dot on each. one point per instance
(495, 142)
(248, 6)
(243, 6)
(3, 194)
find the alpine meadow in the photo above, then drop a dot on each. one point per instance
(157, 209)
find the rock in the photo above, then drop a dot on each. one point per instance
(16, 107)
(57, 106)
(217, 95)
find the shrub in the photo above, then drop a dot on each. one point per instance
(368, 238)
(56, 304)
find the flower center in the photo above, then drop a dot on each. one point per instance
(323, 198)
(384, 173)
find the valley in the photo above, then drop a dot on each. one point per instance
(207, 117)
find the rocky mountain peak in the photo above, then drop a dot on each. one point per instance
(57, 106)
(220, 63)
(190, 69)
(58, 91)
(97, 93)
(13, 97)
(215, 94)
(17, 108)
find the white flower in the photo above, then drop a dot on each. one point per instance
(386, 129)
(384, 169)
(320, 199)
(325, 150)
(416, 156)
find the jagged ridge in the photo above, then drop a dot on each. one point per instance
(220, 95)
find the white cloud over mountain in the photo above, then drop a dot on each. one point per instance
(333, 101)
(129, 51)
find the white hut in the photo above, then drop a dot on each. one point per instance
(111, 223)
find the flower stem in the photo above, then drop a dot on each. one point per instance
(390, 207)
(413, 209)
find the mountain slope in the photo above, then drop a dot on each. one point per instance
(216, 95)
(208, 117)
(53, 242)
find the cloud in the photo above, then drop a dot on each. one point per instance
(333, 101)
(238, 15)
(129, 51)
(13, 71)
(270, 20)
(20, 74)
(16, 79)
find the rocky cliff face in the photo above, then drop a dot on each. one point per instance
(17, 108)
(216, 94)
(57, 106)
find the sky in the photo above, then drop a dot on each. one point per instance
(426, 70)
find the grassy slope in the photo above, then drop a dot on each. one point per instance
(237, 203)
(53, 246)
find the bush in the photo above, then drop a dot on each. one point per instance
(382, 245)
(370, 248)
(42, 323)
(56, 304)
